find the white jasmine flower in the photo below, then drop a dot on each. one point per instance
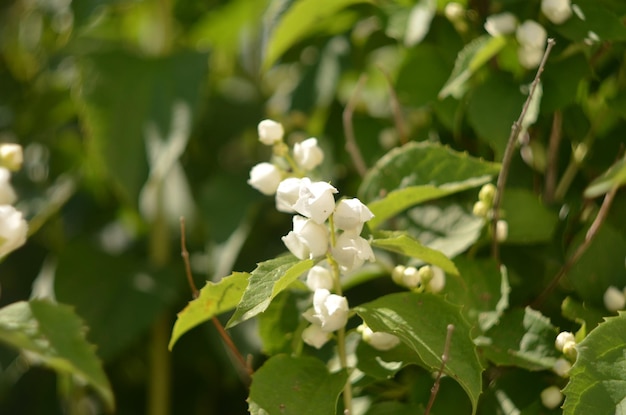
(614, 299)
(308, 154)
(562, 339)
(551, 397)
(319, 277)
(351, 251)
(562, 367)
(287, 194)
(531, 35)
(501, 24)
(557, 11)
(13, 229)
(270, 132)
(11, 156)
(351, 214)
(377, 339)
(330, 311)
(308, 239)
(438, 281)
(7, 194)
(316, 200)
(315, 336)
(265, 177)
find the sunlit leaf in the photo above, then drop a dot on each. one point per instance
(214, 299)
(54, 335)
(614, 177)
(581, 313)
(295, 386)
(598, 378)
(420, 321)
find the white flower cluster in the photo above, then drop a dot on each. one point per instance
(321, 226)
(427, 278)
(566, 343)
(13, 227)
(615, 299)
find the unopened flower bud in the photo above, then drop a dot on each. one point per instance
(563, 338)
(270, 132)
(13, 229)
(481, 209)
(557, 11)
(7, 194)
(351, 214)
(614, 299)
(308, 154)
(529, 56)
(438, 281)
(487, 193)
(411, 278)
(551, 397)
(11, 156)
(562, 367)
(397, 273)
(501, 24)
(377, 339)
(319, 277)
(454, 11)
(314, 336)
(531, 34)
(265, 177)
(569, 350)
(426, 274)
(502, 230)
(307, 240)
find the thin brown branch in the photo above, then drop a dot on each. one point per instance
(351, 146)
(445, 357)
(589, 236)
(508, 152)
(245, 367)
(553, 156)
(396, 109)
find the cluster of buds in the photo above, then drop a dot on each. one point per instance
(565, 343)
(484, 208)
(615, 299)
(426, 278)
(322, 227)
(13, 227)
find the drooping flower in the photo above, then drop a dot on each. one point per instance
(377, 339)
(557, 11)
(330, 311)
(351, 214)
(308, 154)
(351, 251)
(265, 177)
(319, 277)
(270, 132)
(287, 194)
(13, 229)
(316, 200)
(308, 239)
(501, 24)
(531, 34)
(315, 336)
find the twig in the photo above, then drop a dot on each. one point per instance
(397, 111)
(508, 152)
(444, 359)
(245, 366)
(589, 236)
(553, 156)
(351, 146)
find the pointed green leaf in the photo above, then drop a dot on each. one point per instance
(384, 364)
(529, 220)
(55, 336)
(215, 298)
(279, 323)
(582, 313)
(420, 321)
(298, 21)
(266, 282)
(523, 338)
(615, 176)
(295, 386)
(598, 378)
(473, 56)
(405, 245)
(424, 164)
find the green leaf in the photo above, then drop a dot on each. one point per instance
(599, 19)
(405, 245)
(423, 164)
(473, 56)
(614, 177)
(581, 313)
(122, 95)
(55, 336)
(301, 19)
(529, 221)
(523, 338)
(279, 323)
(215, 298)
(420, 321)
(598, 378)
(295, 386)
(266, 282)
(422, 75)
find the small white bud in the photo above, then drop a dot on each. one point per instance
(529, 56)
(7, 194)
(265, 177)
(532, 35)
(614, 299)
(502, 230)
(315, 336)
(411, 278)
(501, 24)
(11, 156)
(563, 338)
(557, 11)
(13, 229)
(481, 209)
(562, 367)
(319, 277)
(438, 282)
(551, 397)
(397, 273)
(569, 350)
(454, 11)
(308, 154)
(270, 132)
(377, 339)
(351, 214)
(487, 193)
